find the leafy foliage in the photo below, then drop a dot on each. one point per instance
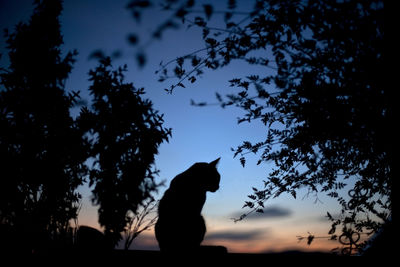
(42, 152)
(125, 134)
(45, 153)
(322, 98)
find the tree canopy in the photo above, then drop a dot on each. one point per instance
(41, 148)
(322, 97)
(45, 152)
(126, 132)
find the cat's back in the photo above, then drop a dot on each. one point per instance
(182, 194)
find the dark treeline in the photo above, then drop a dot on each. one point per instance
(44, 150)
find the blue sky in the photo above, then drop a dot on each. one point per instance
(199, 134)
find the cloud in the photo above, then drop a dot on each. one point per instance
(236, 235)
(270, 212)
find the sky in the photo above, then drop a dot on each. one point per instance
(199, 134)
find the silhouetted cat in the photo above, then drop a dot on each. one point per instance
(180, 226)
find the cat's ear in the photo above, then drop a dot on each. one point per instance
(215, 162)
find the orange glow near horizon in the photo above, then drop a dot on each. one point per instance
(248, 236)
(251, 235)
(147, 241)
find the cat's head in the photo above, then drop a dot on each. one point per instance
(211, 176)
(201, 175)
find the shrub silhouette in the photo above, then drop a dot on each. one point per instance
(125, 134)
(44, 151)
(41, 148)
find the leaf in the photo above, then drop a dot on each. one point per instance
(206, 31)
(218, 96)
(266, 80)
(180, 61)
(332, 230)
(181, 13)
(192, 79)
(116, 54)
(97, 54)
(310, 239)
(195, 61)
(253, 78)
(139, 3)
(228, 16)
(136, 8)
(141, 59)
(208, 11)
(179, 72)
(212, 42)
(242, 161)
(253, 197)
(230, 25)
(248, 204)
(234, 82)
(231, 4)
(245, 85)
(200, 104)
(133, 39)
(310, 44)
(199, 21)
(333, 237)
(243, 94)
